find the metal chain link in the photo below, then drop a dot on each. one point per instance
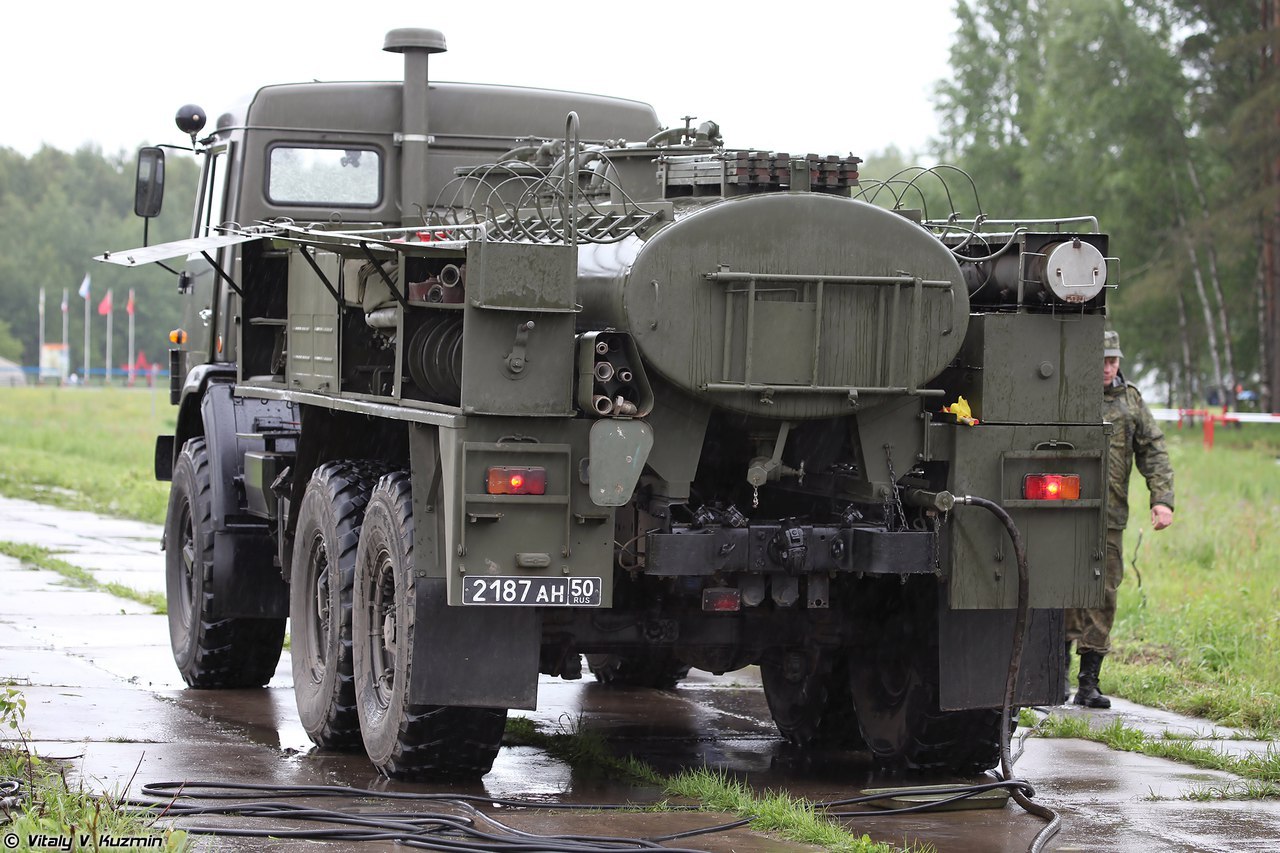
(939, 521)
(895, 499)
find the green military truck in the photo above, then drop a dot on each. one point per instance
(475, 382)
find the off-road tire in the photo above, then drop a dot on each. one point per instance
(324, 561)
(659, 670)
(210, 653)
(405, 740)
(808, 697)
(894, 686)
(899, 718)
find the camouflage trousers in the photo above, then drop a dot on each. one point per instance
(1090, 629)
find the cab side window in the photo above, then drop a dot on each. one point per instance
(332, 177)
(213, 197)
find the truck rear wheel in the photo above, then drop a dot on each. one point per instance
(894, 686)
(809, 700)
(405, 740)
(324, 560)
(210, 653)
(899, 717)
(658, 669)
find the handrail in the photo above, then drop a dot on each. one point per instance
(729, 276)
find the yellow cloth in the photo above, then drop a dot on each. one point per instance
(960, 408)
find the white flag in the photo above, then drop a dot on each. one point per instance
(84, 287)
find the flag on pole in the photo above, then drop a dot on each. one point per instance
(84, 287)
(64, 302)
(42, 302)
(129, 305)
(104, 307)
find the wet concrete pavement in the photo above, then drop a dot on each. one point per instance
(103, 693)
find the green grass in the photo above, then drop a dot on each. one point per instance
(1200, 633)
(48, 806)
(795, 819)
(54, 809)
(583, 750)
(1260, 773)
(85, 448)
(42, 558)
(774, 812)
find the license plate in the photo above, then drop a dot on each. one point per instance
(553, 592)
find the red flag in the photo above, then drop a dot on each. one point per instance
(104, 307)
(129, 305)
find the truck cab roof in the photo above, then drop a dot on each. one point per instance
(470, 124)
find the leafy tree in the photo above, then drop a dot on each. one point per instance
(58, 210)
(10, 347)
(1122, 109)
(996, 65)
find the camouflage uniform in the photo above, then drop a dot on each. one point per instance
(1137, 438)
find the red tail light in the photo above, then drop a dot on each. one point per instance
(1051, 487)
(517, 481)
(721, 599)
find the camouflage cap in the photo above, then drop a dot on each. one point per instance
(1111, 345)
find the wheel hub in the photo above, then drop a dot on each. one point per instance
(318, 637)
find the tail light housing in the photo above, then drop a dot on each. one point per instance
(1051, 487)
(513, 480)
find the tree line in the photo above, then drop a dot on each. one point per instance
(58, 210)
(1163, 118)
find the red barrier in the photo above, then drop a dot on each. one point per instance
(1209, 418)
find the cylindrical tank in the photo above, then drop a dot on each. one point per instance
(779, 305)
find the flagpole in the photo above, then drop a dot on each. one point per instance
(86, 339)
(84, 294)
(66, 353)
(40, 345)
(106, 380)
(131, 357)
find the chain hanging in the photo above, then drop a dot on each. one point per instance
(939, 521)
(893, 507)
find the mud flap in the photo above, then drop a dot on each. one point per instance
(478, 657)
(973, 658)
(246, 583)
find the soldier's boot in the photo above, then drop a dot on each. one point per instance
(1066, 676)
(1088, 693)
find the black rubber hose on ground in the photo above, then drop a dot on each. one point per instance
(439, 831)
(1015, 661)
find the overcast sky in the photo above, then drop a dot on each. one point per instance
(821, 77)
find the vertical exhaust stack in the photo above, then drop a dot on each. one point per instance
(416, 45)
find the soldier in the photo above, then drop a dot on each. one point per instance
(1135, 437)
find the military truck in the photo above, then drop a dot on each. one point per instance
(475, 382)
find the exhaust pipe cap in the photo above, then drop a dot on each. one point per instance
(412, 38)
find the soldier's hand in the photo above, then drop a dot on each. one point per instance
(1161, 516)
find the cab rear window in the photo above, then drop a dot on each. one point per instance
(332, 177)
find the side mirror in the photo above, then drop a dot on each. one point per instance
(148, 191)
